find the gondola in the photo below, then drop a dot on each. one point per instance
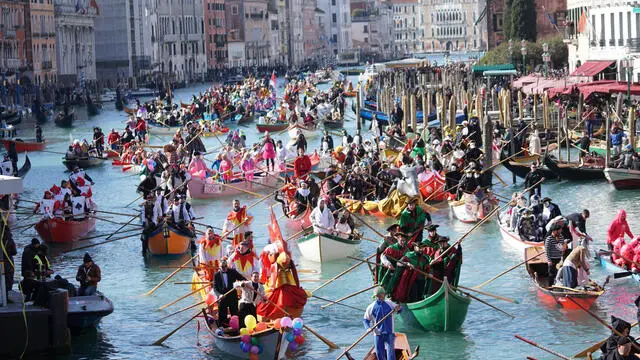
(209, 189)
(93, 109)
(65, 120)
(521, 169)
(401, 346)
(537, 269)
(22, 172)
(571, 171)
(605, 260)
(274, 343)
(329, 122)
(83, 163)
(445, 310)
(326, 247)
(58, 230)
(85, 312)
(169, 240)
(24, 146)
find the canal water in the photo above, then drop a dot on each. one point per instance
(486, 333)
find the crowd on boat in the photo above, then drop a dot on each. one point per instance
(71, 200)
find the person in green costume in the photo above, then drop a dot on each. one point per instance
(412, 283)
(412, 219)
(387, 241)
(448, 265)
(389, 259)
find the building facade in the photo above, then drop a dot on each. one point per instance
(234, 15)
(408, 27)
(75, 41)
(180, 40)
(604, 32)
(373, 32)
(41, 42)
(335, 24)
(257, 30)
(454, 26)
(215, 33)
(314, 46)
(13, 47)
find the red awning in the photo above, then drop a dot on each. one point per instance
(592, 68)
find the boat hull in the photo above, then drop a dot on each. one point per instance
(82, 163)
(271, 127)
(514, 239)
(605, 262)
(23, 146)
(60, 231)
(87, 311)
(623, 179)
(274, 344)
(467, 213)
(572, 171)
(322, 247)
(176, 243)
(300, 222)
(202, 189)
(443, 311)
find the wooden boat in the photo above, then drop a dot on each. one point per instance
(538, 272)
(333, 124)
(274, 343)
(623, 179)
(445, 310)
(521, 166)
(325, 247)
(208, 189)
(128, 110)
(401, 345)
(470, 210)
(432, 187)
(93, 109)
(157, 129)
(513, 239)
(64, 120)
(83, 163)
(85, 312)
(111, 154)
(272, 127)
(300, 222)
(604, 257)
(57, 230)
(22, 146)
(350, 93)
(307, 131)
(220, 132)
(168, 240)
(572, 171)
(22, 172)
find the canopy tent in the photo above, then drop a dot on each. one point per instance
(592, 68)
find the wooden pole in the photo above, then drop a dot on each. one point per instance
(558, 136)
(508, 270)
(535, 107)
(542, 347)
(425, 109)
(520, 114)
(632, 127)
(413, 104)
(358, 107)
(607, 151)
(568, 140)
(452, 112)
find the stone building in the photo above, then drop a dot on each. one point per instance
(41, 42)
(408, 27)
(215, 33)
(454, 25)
(13, 49)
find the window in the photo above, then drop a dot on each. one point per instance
(366, 39)
(334, 39)
(333, 2)
(234, 9)
(334, 18)
(365, 29)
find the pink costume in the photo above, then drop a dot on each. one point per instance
(268, 151)
(618, 227)
(198, 168)
(248, 165)
(225, 169)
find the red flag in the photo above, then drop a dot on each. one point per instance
(582, 23)
(408, 146)
(275, 235)
(272, 82)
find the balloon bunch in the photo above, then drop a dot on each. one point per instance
(292, 331)
(251, 344)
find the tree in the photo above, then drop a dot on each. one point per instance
(522, 15)
(506, 19)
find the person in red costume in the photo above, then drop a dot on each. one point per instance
(301, 165)
(618, 228)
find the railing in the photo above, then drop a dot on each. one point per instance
(11, 63)
(195, 37)
(9, 33)
(47, 65)
(634, 45)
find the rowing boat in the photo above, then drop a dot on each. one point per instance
(158, 129)
(273, 342)
(470, 209)
(623, 179)
(306, 130)
(521, 166)
(210, 189)
(572, 171)
(23, 146)
(300, 222)
(537, 269)
(513, 239)
(57, 230)
(82, 163)
(85, 312)
(445, 310)
(272, 127)
(325, 247)
(168, 240)
(432, 187)
(402, 347)
(605, 260)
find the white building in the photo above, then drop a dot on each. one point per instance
(336, 23)
(75, 41)
(123, 39)
(607, 33)
(451, 26)
(180, 39)
(373, 34)
(408, 19)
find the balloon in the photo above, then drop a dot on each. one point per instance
(253, 357)
(277, 325)
(210, 299)
(299, 339)
(244, 331)
(297, 323)
(260, 349)
(234, 323)
(250, 322)
(297, 332)
(293, 346)
(254, 341)
(261, 326)
(245, 338)
(290, 337)
(286, 322)
(245, 347)
(254, 350)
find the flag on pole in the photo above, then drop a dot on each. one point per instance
(272, 81)
(552, 21)
(275, 235)
(582, 23)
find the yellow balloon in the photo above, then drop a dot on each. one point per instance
(244, 331)
(250, 322)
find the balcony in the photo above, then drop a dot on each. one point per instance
(195, 37)
(9, 33)
(634, 45)
(10, 63)
(47, 65)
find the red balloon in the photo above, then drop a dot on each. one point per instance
(210, 299)
(276, 324)
(299, 339)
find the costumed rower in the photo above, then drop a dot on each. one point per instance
(210, 251)
(618, 228)
(412, 219)
(238, 215)
(244, 258)
(384, 336)
(301, 165)
(322, 219)
(390, 274)
(249, 298)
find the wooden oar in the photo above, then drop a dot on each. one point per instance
(100, 243)
(360, 262)
(508, 270)
(162, 339)
(542, 347)
(169, 276)
(99, 236)
(182, 297)
(182, 310)
(116, 222)
(349, 296)
(501, 161)
(366, 333)
(328, 342)
(615, 331)
(115, 213)
(593, 348)
(121, 227)
(242, 190)
(337, 303)
(134, 200)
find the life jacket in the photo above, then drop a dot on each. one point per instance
(41, 266)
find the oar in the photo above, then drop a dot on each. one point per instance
(337, 303)
(366, 333)
(501, 161)
(99, 236)
(115, 213)
(100, 243)
(182, 297)
(615, 331)
(169, 276)
(322, 338)
(115, 222)
(134, 200)
(508, 270)
(552, 352)
(593, 348)
(182, 310)
(121, 227)
(458, 289)
(242, 190)
(360, 262)
(349, 296)
(162, 339)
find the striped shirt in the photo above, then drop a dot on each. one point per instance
(553, 246)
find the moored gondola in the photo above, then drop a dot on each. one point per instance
(571, 171)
